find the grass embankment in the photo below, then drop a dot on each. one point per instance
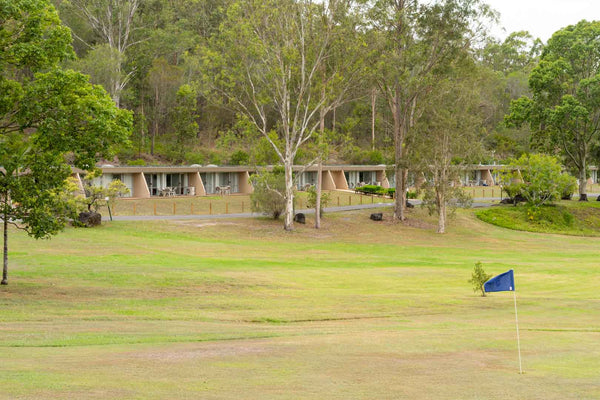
(566, 217)
(240, 309)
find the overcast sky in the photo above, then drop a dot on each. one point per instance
(542, 17)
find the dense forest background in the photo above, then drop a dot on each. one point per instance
(151, 57)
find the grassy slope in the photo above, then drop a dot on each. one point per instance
(241, 309)
(567, 218)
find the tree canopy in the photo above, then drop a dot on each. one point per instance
(564, 108)
(50, 119)
(142, 52)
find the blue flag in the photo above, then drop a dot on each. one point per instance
(502, 283)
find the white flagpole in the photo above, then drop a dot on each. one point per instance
(518, 339)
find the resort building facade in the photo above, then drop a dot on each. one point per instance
(196, 180)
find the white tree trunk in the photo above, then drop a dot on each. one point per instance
(116, 89)
(288, 214)
(441, 213)
(114, 22)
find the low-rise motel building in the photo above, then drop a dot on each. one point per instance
(197, 180)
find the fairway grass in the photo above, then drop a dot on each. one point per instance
(240, 309)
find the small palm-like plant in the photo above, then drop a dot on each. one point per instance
(478, 278)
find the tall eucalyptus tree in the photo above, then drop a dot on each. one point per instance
(415, 41)
(271, 62)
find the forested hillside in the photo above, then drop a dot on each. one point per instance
(182, 67)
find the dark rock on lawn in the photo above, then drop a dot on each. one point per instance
(377, 216)
(90, 219)
(300, 218)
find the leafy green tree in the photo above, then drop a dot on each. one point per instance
(564, 108)
(46, 118)
(516, 53)
(538, 178)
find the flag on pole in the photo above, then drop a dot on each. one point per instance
(506, 283)
(501, 283)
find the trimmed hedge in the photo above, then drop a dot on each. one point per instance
(377, 190)
(371, 189)
(380, 191)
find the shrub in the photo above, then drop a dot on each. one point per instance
(311, 201)
(378, 190)
(478, 278)
(92, 199)
(370, 189)
(268, 196)
(569, 186)
(537, 178)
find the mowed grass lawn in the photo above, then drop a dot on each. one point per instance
(239, 309)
